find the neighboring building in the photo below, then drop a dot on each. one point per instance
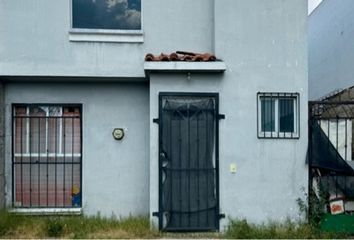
(331, 49)
(92, 127)
(331, 81)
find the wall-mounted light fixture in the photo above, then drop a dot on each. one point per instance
(118, 133)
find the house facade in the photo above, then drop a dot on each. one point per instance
(92, 124)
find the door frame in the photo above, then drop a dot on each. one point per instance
(214, 95)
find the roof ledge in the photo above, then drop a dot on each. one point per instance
(215, 67)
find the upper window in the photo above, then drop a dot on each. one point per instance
(106, 14)
(47, 156)
(278, 115)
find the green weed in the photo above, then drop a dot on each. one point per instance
(78, 227)
(241, 229)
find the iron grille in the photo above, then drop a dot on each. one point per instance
(46, 156)
(278, 115)
(188, 160)
(331, 153)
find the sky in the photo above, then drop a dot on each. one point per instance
(313, 4)
(107, 14)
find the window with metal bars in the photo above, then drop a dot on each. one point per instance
(278, 115)
(47, 156)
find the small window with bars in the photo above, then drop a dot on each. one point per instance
(47, 156)
(278, 115)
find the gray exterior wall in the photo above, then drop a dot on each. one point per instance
(269, 54)
(115, 177)
(2, 146)
(263, 44)
(34, 38)
(265, 50)
(331, 49)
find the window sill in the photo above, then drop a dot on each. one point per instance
(280, 135)
(47, 211)
(93, 35)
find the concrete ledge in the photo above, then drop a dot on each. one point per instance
(47, 211)
(217, 67)
(71, 79)
(123, 36)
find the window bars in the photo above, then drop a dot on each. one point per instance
(278, 115)
(46, 156)
(330, 154)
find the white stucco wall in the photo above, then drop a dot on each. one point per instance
(265, 50)
(264, 45)
(115, 176)
(268, 54)
(34, 38)
(331, 49)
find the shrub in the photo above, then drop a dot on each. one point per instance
(54, 227)
(316, 211)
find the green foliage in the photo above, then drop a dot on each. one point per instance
(7, 222)
(79, 227)
(12, 225)
(54, 227)
(316, 212)
(241, 229)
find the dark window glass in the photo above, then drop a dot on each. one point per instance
(267, 115)
(286, 115)
(107, 14)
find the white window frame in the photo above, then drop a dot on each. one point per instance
(18, 209)
(105, 35)
(60, 136)
(276, 133)
(47, 211)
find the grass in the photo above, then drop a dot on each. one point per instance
(241, 229)
(19, 226)
(77, 227)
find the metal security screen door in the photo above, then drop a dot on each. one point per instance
(188, 162)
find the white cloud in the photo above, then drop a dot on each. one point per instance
(112, 3)
(132, 18)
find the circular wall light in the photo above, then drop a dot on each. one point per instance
(118, 133)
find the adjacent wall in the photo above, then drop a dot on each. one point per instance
(2, 145)
(331, 48)
(115, 176)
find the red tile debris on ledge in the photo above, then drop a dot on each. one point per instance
(181, 56)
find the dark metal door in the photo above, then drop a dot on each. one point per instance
(188, 162)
